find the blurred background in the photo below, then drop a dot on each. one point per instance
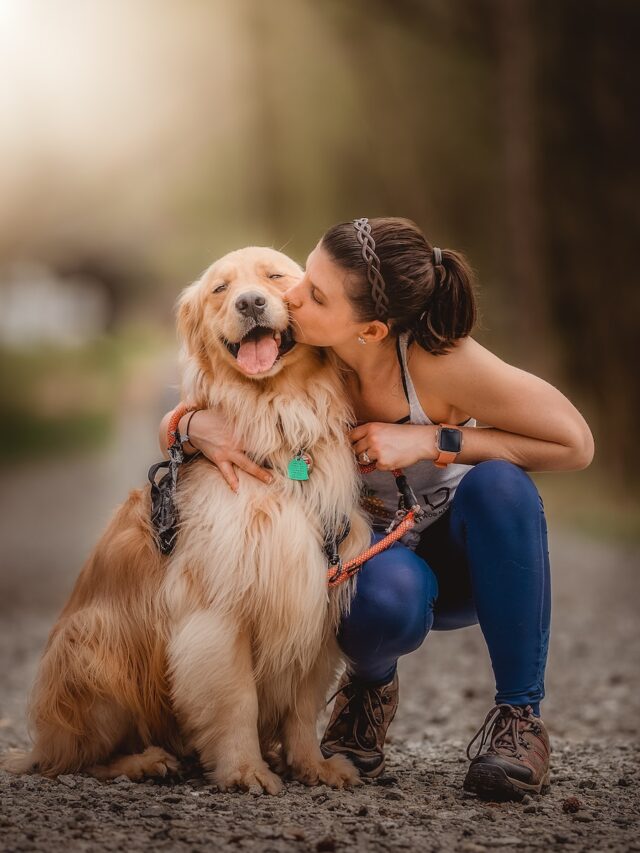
(141, 140)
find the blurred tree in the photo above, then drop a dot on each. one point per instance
(590, 138)
(524, 267)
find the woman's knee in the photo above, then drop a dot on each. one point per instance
(395, 594)
(495, 485)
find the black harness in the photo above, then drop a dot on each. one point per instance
(164, 512)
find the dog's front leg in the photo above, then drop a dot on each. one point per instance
(216, 702)
(300, 741)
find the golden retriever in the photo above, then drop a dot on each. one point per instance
(227, 646)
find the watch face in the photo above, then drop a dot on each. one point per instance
(450, 440)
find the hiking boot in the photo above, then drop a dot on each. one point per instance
(359, 722)
(517, 760)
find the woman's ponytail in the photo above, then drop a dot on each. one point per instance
(451, 308)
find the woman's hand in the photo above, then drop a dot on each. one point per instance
(210, 433)
(394, 445)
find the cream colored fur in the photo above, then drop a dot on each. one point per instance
(227, 646)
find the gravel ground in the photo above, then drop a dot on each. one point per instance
(592, 709)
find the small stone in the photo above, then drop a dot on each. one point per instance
(571, 805)
(526, 800)
(68, 781)
(624, 782)
(394, 795)
(155, 811)
(293, 833)
(386, 781)
(122, 780)
(530, 809)
(362, 811)
(583, 818)
(587, 783)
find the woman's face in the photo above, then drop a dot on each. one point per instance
(320, 310)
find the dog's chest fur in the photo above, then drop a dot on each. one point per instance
(258, 554)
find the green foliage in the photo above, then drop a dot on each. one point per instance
(63, 400)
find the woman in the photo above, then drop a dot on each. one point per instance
(397, 314)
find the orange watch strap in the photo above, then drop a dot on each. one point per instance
(446, 457)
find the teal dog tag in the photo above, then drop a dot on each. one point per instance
(297, 469)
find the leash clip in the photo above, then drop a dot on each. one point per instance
(398, 518)
(418, 512)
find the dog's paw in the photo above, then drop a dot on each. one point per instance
(153, 762)
(157, 762)
(337, 772)
(247, 778)
(276, 761)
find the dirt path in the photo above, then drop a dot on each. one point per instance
(592, 710)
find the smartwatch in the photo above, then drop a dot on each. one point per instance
(449, 442)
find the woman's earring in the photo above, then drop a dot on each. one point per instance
(361, 340)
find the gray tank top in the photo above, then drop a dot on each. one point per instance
(434, 487)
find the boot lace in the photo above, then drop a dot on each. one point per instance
(504, 725)
(368, 700)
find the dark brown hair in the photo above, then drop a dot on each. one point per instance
(436, 303)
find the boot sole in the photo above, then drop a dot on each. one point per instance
(490, 782)
(365, 774)
(373, 774)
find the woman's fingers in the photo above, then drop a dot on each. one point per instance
(229, 474)
(358, 432)
(238, 459)
(242, 461)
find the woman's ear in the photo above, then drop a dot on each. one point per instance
(376, 331)
(189, 318)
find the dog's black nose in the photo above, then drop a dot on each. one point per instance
(251, 304)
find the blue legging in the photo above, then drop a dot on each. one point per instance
(484, 561)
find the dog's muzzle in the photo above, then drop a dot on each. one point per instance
(259, 349)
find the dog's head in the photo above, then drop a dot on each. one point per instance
(237, 311)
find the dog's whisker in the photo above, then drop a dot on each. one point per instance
(283, 247)
(294, 323)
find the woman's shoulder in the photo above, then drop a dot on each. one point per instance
(449, 383)
(437, 370)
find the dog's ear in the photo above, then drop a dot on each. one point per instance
(189, 318)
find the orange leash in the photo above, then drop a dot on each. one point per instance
(343, 571)
(172, 427)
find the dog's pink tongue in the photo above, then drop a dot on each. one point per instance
(258, 356)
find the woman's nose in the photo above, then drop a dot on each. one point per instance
(292, 296)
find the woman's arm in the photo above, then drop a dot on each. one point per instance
(532, 423)
(210, 433)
